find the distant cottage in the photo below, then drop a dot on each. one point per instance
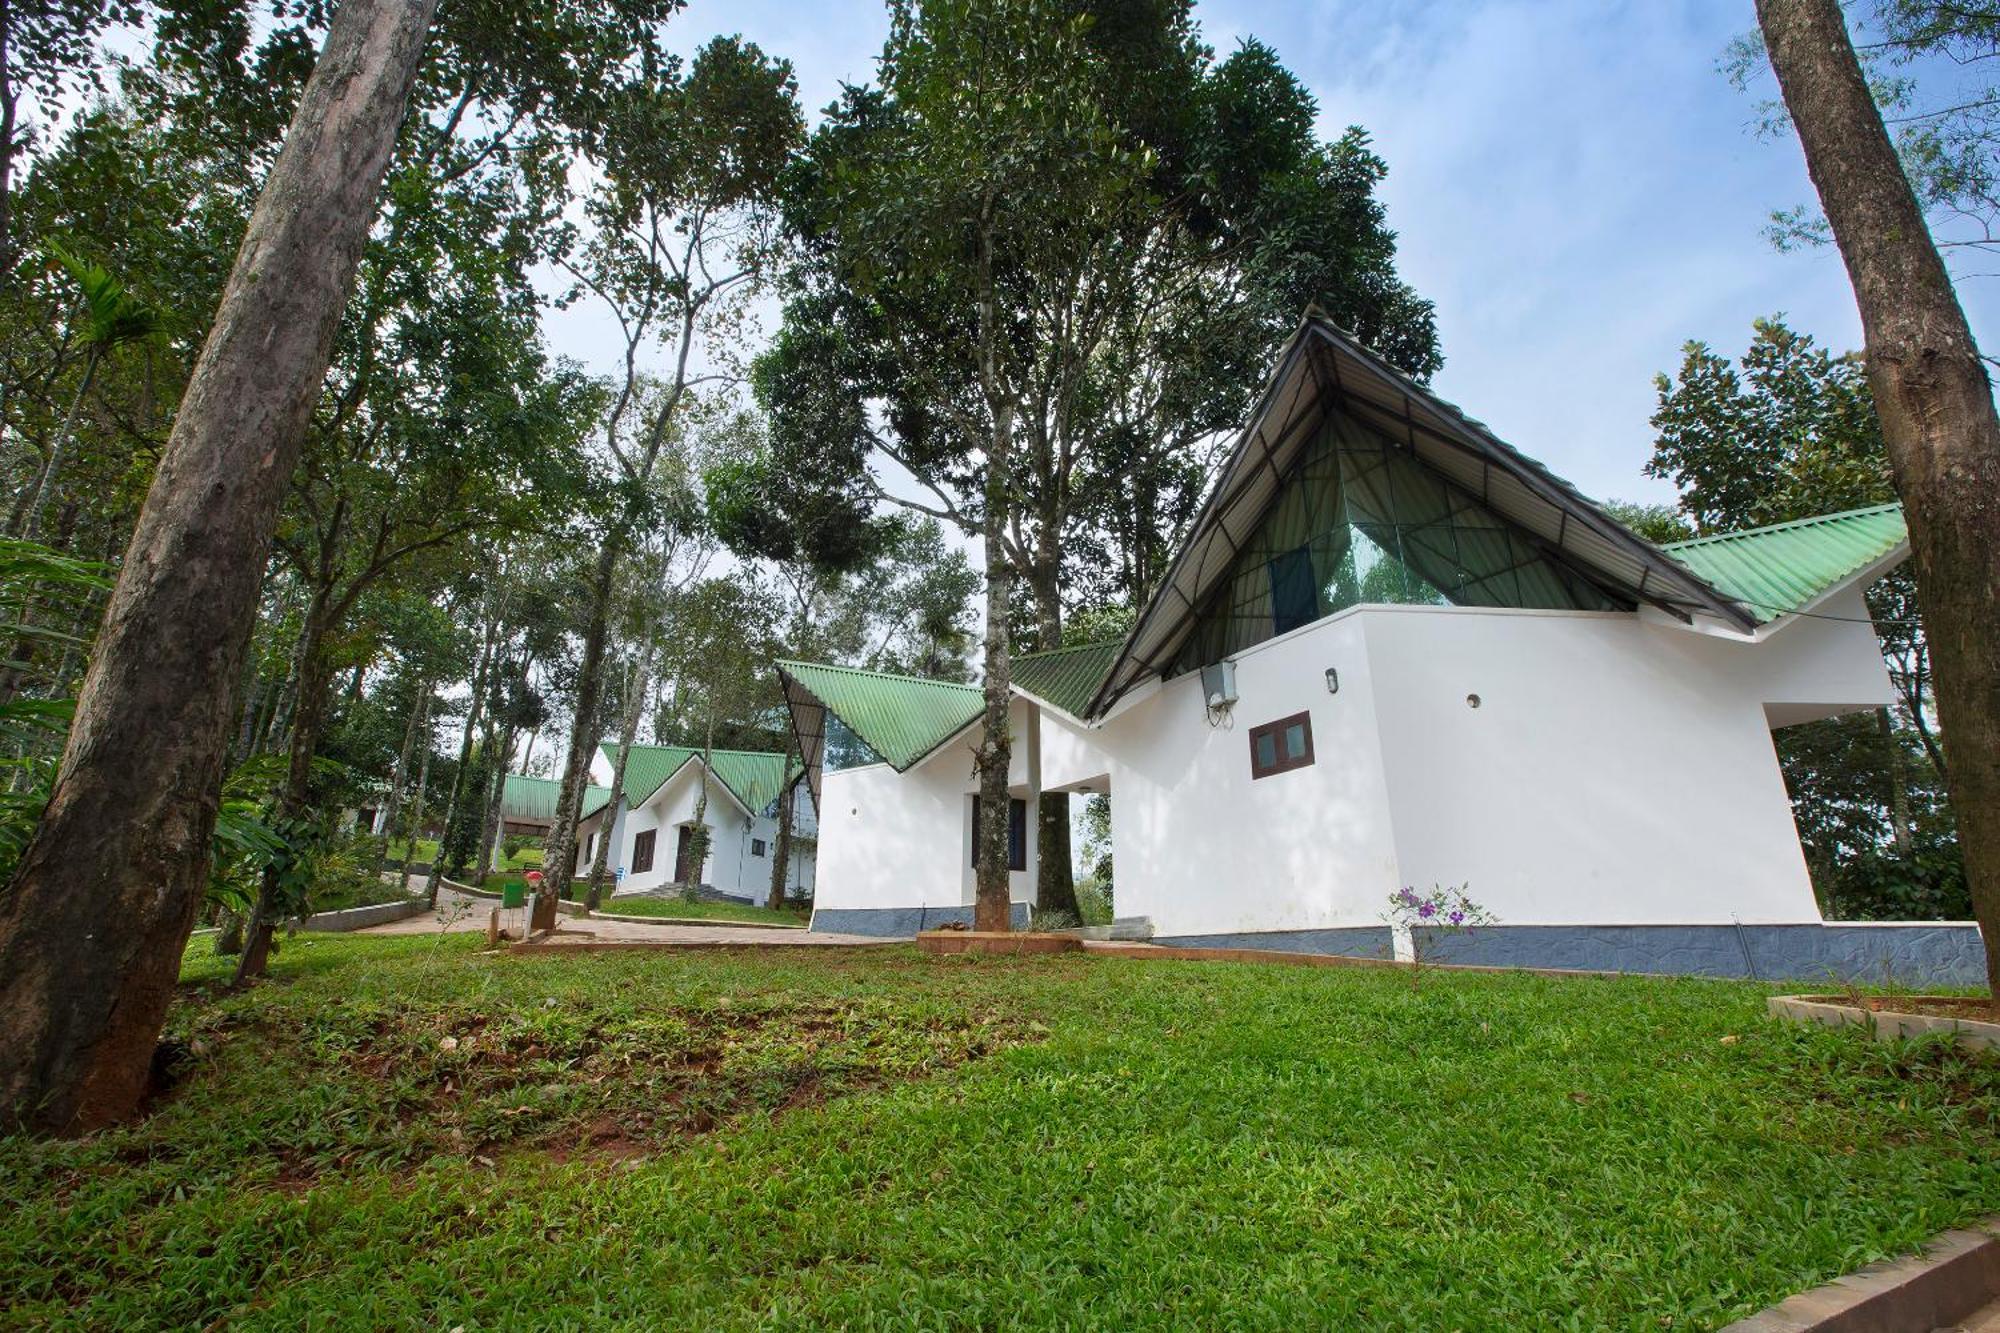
(651, 823)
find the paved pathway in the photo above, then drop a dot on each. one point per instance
(595, 930)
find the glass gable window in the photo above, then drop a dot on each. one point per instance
(1360, 520)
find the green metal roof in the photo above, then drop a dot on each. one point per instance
(1066, 677)
(1776, 570)
(533, 800)
(901, 718)
(754, 777)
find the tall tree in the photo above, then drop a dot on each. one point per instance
(682, 232)
(1935, 402)
(1133, 297)
(93, 925)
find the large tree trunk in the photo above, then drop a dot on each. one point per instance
(93, 926)
(628, 730)
(315, 680)
(1899, 784)
(491, 815)
(781, 846)
(482, 674)
(417, 801)
(400, 779)
(992, 903)
(1055, 881)
(698, 842)
(559, 856)
(1936, 406)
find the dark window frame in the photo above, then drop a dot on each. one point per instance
(643, 845)
(756, 846)
(1282, 763)
(1017, 833)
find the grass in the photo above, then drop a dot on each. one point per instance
(398, 1132)
(707, 911)
(636, 905)
(360, 891)
(528, 858)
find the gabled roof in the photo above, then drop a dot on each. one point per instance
(1322, 369)
(533, 800)
(1779, 569)
(1066, 677)
(902, 718)
(753, 777)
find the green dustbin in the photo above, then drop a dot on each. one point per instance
(513, 893)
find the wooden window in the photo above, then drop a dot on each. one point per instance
(1017, 834)
(642, 851)
(1279, 747)
(756, 846)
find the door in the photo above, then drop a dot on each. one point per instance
(682, 848)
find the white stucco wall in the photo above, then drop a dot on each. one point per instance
(1613, 772)
(889, 839)
(1202, 847)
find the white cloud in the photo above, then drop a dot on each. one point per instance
(1576, 185)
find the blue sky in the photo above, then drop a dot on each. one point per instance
(1575, 183)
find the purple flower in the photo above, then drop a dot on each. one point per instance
(1427, 911)
(1458, 918)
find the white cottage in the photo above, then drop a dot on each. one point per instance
(1394, 651)
(652, 823)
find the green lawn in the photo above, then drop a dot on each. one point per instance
(529, 858)
(674, 907)
(395, 1132)
(424, 853)
(706, 911)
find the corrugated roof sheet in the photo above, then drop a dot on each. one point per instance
(754, 777)
(902, 718)
(1778, 569)
(1066, 677)
(533, 800)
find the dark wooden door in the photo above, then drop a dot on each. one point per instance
(681, 848)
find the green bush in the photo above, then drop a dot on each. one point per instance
(1093, 900)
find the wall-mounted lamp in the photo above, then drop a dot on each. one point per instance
(1333, 680)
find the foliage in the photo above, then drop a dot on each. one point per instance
(1121, 319)
(1428, 918)
(31, 724)
(1218, 1136)
(460, 845)
(1093, 901)
(1789, 431)
(1657, 523)
(1097, 845)
(1929, 64)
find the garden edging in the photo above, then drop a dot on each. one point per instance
(358, 918)
(1884, 1025)
(1956, 1275)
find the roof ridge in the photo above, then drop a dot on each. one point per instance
(879, 675)
(1789, 523)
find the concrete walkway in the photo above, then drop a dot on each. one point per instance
(469, 914)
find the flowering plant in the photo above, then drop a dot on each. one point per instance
(1429, 917)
